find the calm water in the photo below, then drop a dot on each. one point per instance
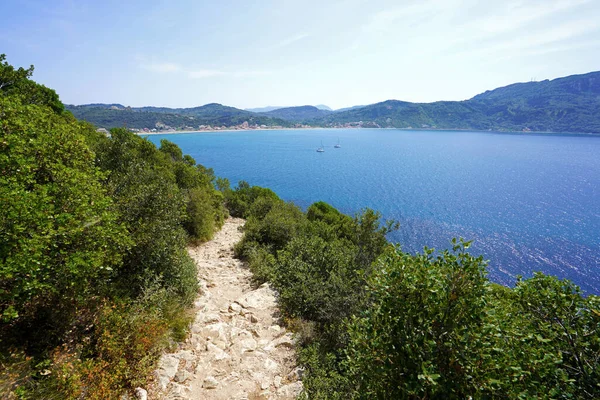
(529, 202)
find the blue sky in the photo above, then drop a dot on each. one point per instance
(284, 52)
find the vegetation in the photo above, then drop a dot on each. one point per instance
(116, 115)
(95, 279)
(561, 105)
(567, 104)
(375, 322)
(298, 114)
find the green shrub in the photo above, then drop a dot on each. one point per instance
(200, 219)
(240, 199)
(316, 280)
(419, 338)
(59, 237)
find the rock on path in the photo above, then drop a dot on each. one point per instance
(236, 350)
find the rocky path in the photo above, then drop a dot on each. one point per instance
(236, 350)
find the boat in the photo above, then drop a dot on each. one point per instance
(321, 149)
(338, 145)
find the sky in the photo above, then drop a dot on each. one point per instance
(286, 52)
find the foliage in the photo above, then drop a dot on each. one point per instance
(561, 105)
(95, 278)
(297, 114)
(60, 239)
(374, 322)
(16, 83)
(566, 104)
(419, 336)
(240, 199)
(216, 115)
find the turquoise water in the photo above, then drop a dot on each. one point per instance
(529, 202)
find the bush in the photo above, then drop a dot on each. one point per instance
(419, 337)
(59, 236)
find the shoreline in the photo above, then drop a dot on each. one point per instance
(586, 134)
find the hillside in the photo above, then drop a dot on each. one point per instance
(115, 115)
(569, 104)
(298, 114)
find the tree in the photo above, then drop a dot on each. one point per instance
(59, 235)
(16, 82)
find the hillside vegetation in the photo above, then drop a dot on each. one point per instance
(567, 104)
(374, 322)
(95, 280)
(115, 115)
(298, 114)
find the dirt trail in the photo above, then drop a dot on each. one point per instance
(236, 350)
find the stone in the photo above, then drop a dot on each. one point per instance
(271, 365)
(185, 355)
(263, 297)
(291, 390)
(217, 352)
(285, 341)
(253, 319)
(181, 376)
(296, 374)
(179, 390)
(235, 307)
(168, 364)
(210, 383)
(163, 382)
(247, 345)
(141, 394)
(214, 331)
(277, 382)
(211, 318)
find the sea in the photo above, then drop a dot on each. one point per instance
(529, 202)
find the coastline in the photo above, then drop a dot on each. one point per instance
(544, 133)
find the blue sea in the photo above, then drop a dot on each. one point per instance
(530, 202)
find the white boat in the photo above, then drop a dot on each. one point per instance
(321, 149)
(338, 145)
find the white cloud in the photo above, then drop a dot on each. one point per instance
(539, 41)
(384, 20)
(518, 14)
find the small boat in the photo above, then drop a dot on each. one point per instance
(321, 149)
(338, 145)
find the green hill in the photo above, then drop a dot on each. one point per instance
(570, 104)
(116, 115)
(298, 114)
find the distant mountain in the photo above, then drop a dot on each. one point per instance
(298, 114)
(110, 116)
(348, 108)
(570, 104)
(262, 109)
(271, 108)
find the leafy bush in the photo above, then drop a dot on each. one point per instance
(94, 273)
(243, 196)
(418, 338)
(59, 237)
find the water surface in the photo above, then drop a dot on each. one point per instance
(530, 202)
